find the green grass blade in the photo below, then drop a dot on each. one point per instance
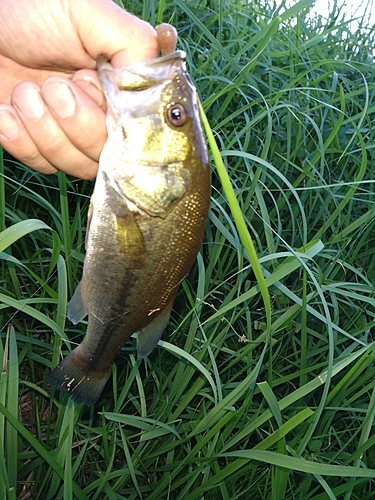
(238, 218)
(39, 448)
(302, 465)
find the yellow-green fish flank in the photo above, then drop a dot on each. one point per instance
(146, 218)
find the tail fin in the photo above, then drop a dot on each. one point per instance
(83, 384)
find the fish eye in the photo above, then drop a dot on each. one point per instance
(176, 114)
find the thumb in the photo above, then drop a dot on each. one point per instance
(105, 28)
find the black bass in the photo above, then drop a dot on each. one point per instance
(146, 218)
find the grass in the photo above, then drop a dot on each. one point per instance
(263, 386)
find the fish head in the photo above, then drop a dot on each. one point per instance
(155, 139)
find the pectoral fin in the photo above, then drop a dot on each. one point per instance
(129, 237)
(76, 308)
(130, 240)
(148, 337)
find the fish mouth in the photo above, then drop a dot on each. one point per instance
(142, 75)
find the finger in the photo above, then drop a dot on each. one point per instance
(47, 135)
(167, 38)
(88, 81)
(111, 29)
(80, 116)
(17, 141)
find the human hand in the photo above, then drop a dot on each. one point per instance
(52, 109)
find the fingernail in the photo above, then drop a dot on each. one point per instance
(60, 99)
(9, 128)
(91, 89)
(29, 103)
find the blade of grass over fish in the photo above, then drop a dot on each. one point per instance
(238, 217)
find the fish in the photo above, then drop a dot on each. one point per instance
(146, 218)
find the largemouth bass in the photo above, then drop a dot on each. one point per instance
(146, 218)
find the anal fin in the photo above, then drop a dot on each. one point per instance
(149, 336)
(76, 308)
